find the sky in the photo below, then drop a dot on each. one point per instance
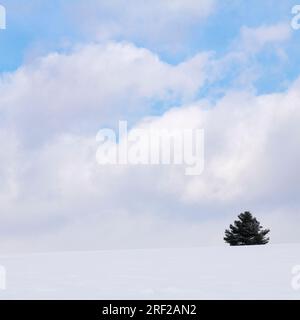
(69, 68)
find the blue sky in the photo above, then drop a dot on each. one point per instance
(71, 67)
(37, 27)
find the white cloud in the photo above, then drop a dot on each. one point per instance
(55, 196)
(162, 22)
(242, 65)
(254, 39)
(63, 196)
(94, 85)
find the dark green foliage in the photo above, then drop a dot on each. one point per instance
(246, 231)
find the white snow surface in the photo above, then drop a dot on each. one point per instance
(258, 272)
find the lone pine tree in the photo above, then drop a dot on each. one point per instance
(246, 231)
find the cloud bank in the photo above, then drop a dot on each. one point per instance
(55, 196)
(53, 189)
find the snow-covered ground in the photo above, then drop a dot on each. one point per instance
(263, 272)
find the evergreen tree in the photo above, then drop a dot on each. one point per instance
(246, 231)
